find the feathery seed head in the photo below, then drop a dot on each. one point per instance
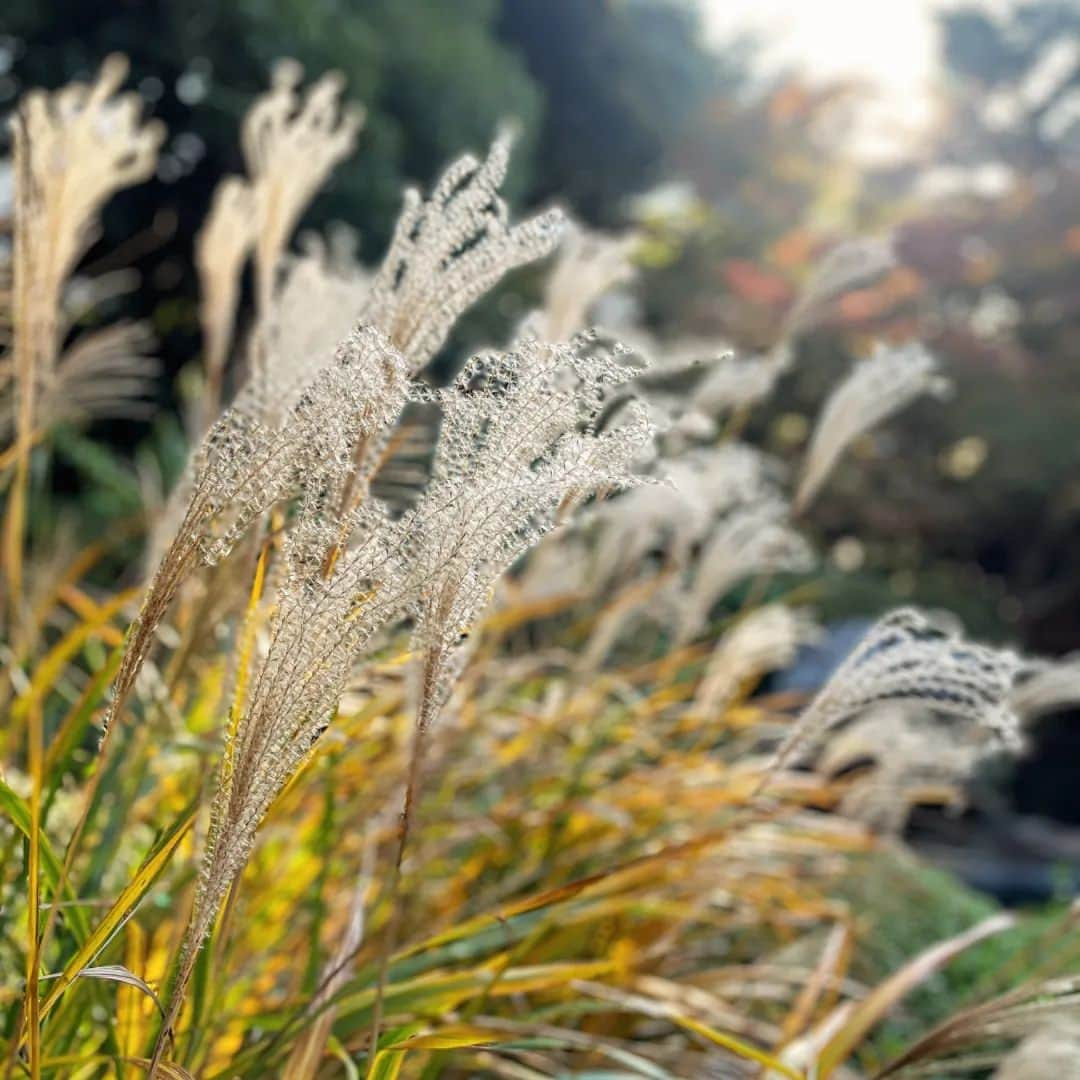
(589, 264)
(73, 149)
(245, 465)
(901, 751)
(291, 145)
(316, 305)
(221, 249)
(875, 389)
(519, 448)
(910, 658)
(449, 250)
(852, 263)
(765, 640)
(752, 539)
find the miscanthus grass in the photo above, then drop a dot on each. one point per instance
(428, 747)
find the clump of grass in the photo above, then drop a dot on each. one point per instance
(450, 831)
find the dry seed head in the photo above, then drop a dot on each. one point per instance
(875, 389)
(246, 465)
(904, 751)
(679, 357)
(449, 250)
(766, 640)
(321, 623)
(326, 611)
(755, 538)
(847, 265)
(317, 304)
(908, 657)
(675, 516)
(73, 149)
(694, 383)
(589, 264)
(221, 249)
(291, 145)
(737, 383)
(519, 449)
(105, 373)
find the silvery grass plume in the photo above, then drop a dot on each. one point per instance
(675, 516)
(317, 303)
(244, 467)
(902, 755)
(72, 150)
(446, 253)
(321, 296)
(849, 264)
(291, 145)
(876, 388)
(754, 538)
(449, 250)
(222, 248)
(521, 447)
(589, 265)
(907, 752)
(732, 383)
(105, 373)
(910, 658)
(648, 539)
(767, 639)
(691, 385)
(344, 579)
(322, 622)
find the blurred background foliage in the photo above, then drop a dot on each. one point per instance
(973, 505)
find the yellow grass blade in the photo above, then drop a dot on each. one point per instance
(124, 905)
(52, 666)
(736, 1046)
(884, 998)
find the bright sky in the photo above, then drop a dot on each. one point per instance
(891, 44)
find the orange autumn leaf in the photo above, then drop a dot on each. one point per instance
(751, 283)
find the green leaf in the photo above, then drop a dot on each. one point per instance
(123, 907)
(18, 813)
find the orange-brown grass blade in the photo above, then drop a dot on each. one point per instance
(649, 1006)
(834, 960)
(868, 1012)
